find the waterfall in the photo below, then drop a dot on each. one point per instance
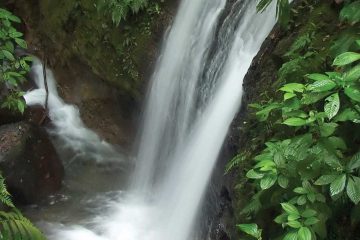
(194, 94)
(68, 128)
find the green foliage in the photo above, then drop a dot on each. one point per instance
(12, 68)
(282, 9)
(251, 229)
(350, 12)
(310, 163)
(13, 225)
(121, 9)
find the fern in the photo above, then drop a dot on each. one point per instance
(282, 9)
(5, 197)
(234, 162)
(13, 225)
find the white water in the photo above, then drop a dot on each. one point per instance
(194, 95)
(68, 126)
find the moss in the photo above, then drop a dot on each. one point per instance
(75, 28)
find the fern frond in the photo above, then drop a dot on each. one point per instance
(5, 196)
(13, 225)
(234, 162)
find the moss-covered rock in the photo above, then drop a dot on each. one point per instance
(122, 56)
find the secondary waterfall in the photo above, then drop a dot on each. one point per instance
(195, 92)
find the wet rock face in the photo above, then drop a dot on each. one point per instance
(29, 162)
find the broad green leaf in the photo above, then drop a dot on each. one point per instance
(354, 162)
(327, 129)
(267, 164)
(293, 87)
(317, 77)
(338, 185)
(304, 233)
(22, 43)
(347, 114)
(311, 221)
(337, 143)
(353, 74)
(313, 97)
(289, 96)
(308, 213)
(293, 217)
(281, 218)
(346, 58)
(291, 236)
(353, 93)
(353, 189)
(294, 224)
(301, 200)
(300, 190)
(321, 86)
(8, 55)
(268, 181)
(295, 122)
(252, 174)
(332, 105)
(283, 181)
(251, 229)
(350, 12)
(289, 208)
(325, 179)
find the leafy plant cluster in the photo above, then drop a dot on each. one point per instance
(121, 9)
(12, 68)
(13, 225)
(311, 167)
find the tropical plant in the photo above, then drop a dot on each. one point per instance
(12, 68)
(313, 153)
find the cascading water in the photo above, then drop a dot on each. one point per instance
(195, 93)
(68, 125)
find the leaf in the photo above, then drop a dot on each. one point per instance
(321, 86)
(283, 181)
(311, 221)
(354, 162)
(293, 87)
(294, 224)
(325, 179)
(353, 74)
(351, 12)
(252, 174)
(8, 55)
(293, 217)
(338, 185)
(353, 93)
(22, 43)
(251, 229)
(332, 105)
(304, 233)
(300, 190)
(313, 97)
(291, 236)
(308, 213)
(281, 218)
(289, 96)
(327, 129)
(347, 114)
(301, 200)
(289, 208)
(346, 58)
(268, 181)
(317, 77)
(295, 122)
(353, 189)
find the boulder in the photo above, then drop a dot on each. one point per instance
(29, 162)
